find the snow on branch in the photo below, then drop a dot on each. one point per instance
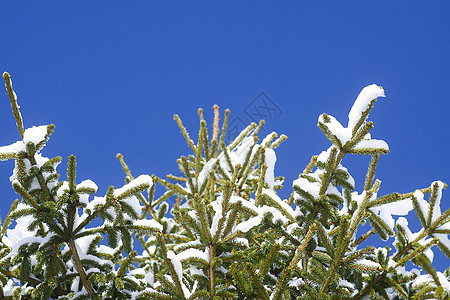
(220, 229)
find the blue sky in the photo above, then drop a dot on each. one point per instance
(110, 75)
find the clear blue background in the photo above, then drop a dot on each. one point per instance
(111, 74)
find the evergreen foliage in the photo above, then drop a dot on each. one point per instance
(229, 235)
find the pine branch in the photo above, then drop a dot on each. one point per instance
(216, 122)
(311, 164)
(184, 132)
(262, 291)
(224, 129)
(242, 135)
(327, 132)
(278, 141)
(363, 238)
(211, 270)
(15, 107)
(344, 242)
(261, 181)
(169, 264)
(233, 237)
(40, 176)
(370, 176)
(358, 136)
(79, 267)
(33, 282)
(247, 166)
(198, 156)
(432, 202)
(8, 217)
(109, 201)
(47, 220)
(302, 248)
(396, 258)
(258, 128)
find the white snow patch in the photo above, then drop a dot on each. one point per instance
(398, 208)
(20, 234)
(217, 206)
(135, 204)
(105, 249)
(35, 134)
(204, 174)
(343, 282)
(176, 264)
(249, 224)
(403, 222)
(436, 213)
(148, 223)
(323, 156)
(84, 242)
(239, 154)
(369, 263)
(241, 241)
(87, 184)
(362, 102)
(270, 159)
(186, 254)
(427, 279)
(13, 148)
(343, 134)
(179, 272)
(371, 144)
(286, 207)
(63, 188)
(276, 214)
(247, 203)
(268, 137)
(295, 282)
(194, 271)
(313, 188)
(142, 179)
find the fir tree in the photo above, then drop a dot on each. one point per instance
(229, 235)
